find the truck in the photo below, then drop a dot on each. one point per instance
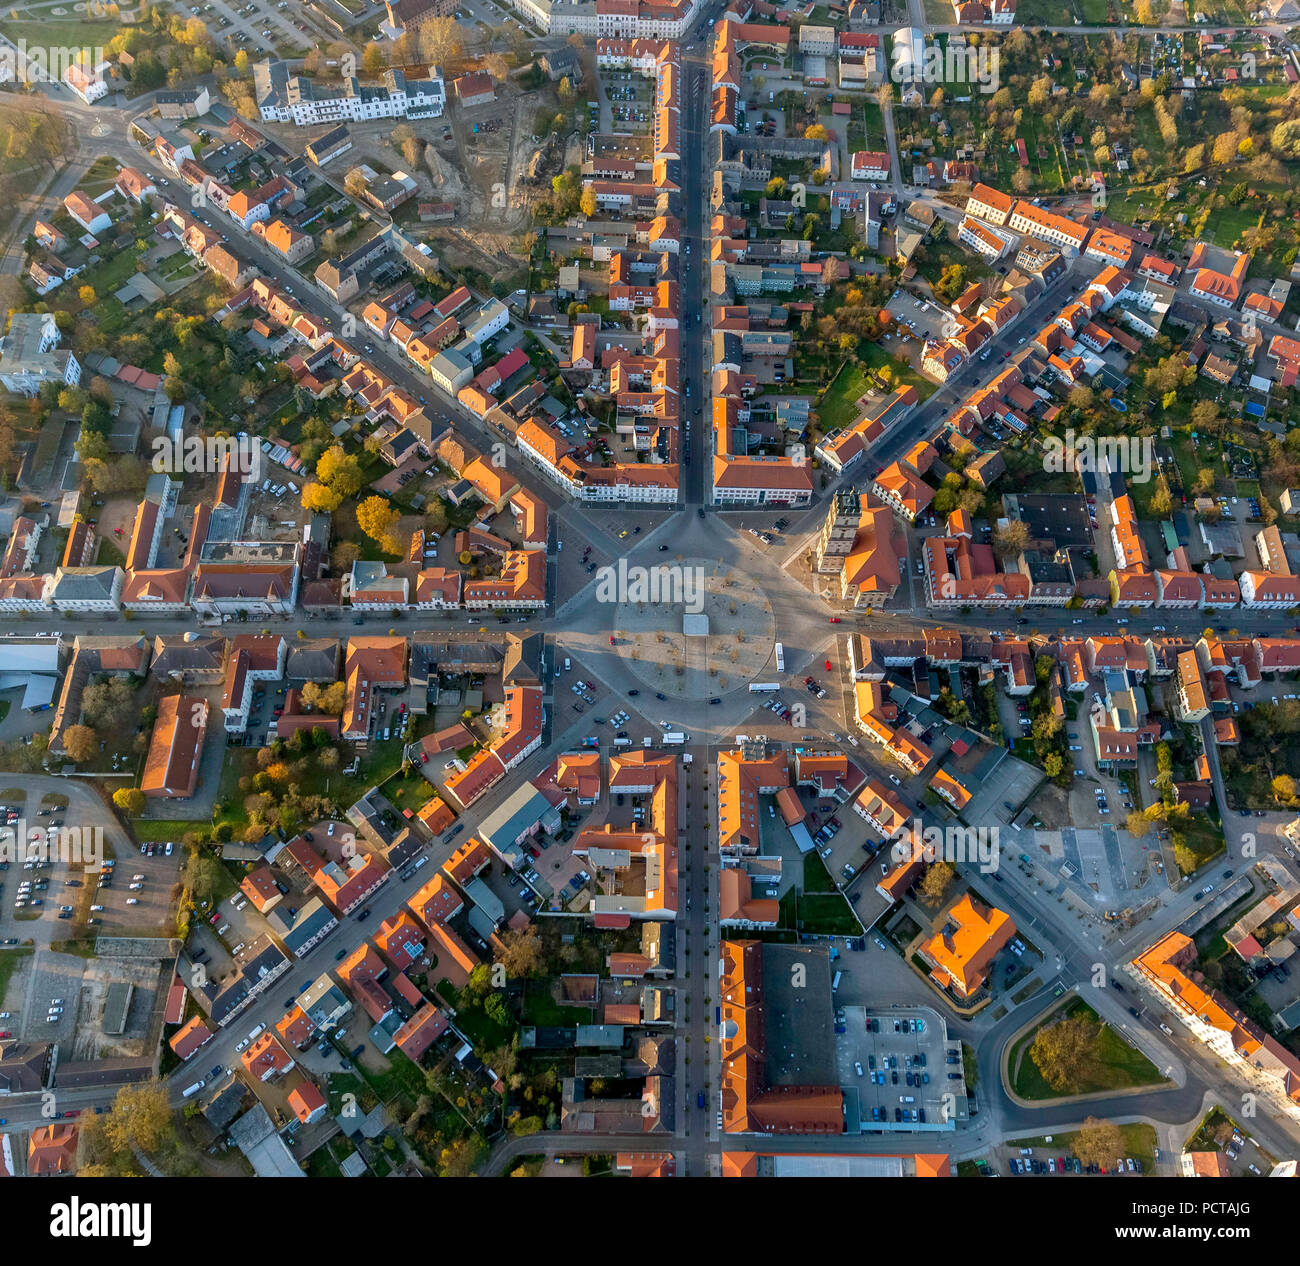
(763, 687)
(591, 741)
(675, 737)
(190, 1091)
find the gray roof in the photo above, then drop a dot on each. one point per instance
(226, 1103)
(81, 584)
(313, 659)
(523, 660)
(188, 653)
(255, 1135)
(313, 918)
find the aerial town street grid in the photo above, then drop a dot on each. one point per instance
(652, 588)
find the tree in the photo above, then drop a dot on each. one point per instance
(1285, 139)
(1137, 824)
(341, 471)
(378, 520)
(520, 953)
(81, 743)
(344, 554)
(372, 60)
(936, 882)
(1284, 788)
(327, 697)
(1225, 147)
(457, 1160)
(1099, 1142)
(1047, 726)
(140, 1118)
(110, 705)
(440, 41)
(87, 295)
(814, 132)
(1064, 1052)
(1011, 540)
(318, 497)
(587, 203)
(131, 800)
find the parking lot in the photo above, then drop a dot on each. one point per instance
(1010, 783)
(898, 1069)
(84, 874)
(51, 1000)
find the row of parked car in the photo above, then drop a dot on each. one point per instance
(1070, 1165)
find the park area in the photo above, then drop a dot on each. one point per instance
(1072, 1052)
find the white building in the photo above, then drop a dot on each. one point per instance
(286, 98)
(87, 590)
(983, 238)
(30, 355)
(89, 83)
(491, 319)
(451, 370)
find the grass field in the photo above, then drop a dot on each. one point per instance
(9, 960)
(1116, 1065)
(839, 407)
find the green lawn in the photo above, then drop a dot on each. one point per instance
(162, 829)
(839, 408)
(61, 32)
(1203, 836)
(9, 960)
(1116, 1065)
(541, 1008)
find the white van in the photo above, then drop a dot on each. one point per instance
(567, 664)
(257, 1032)
(835, 984)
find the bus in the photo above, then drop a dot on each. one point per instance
(763, 687)
(780, 658)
